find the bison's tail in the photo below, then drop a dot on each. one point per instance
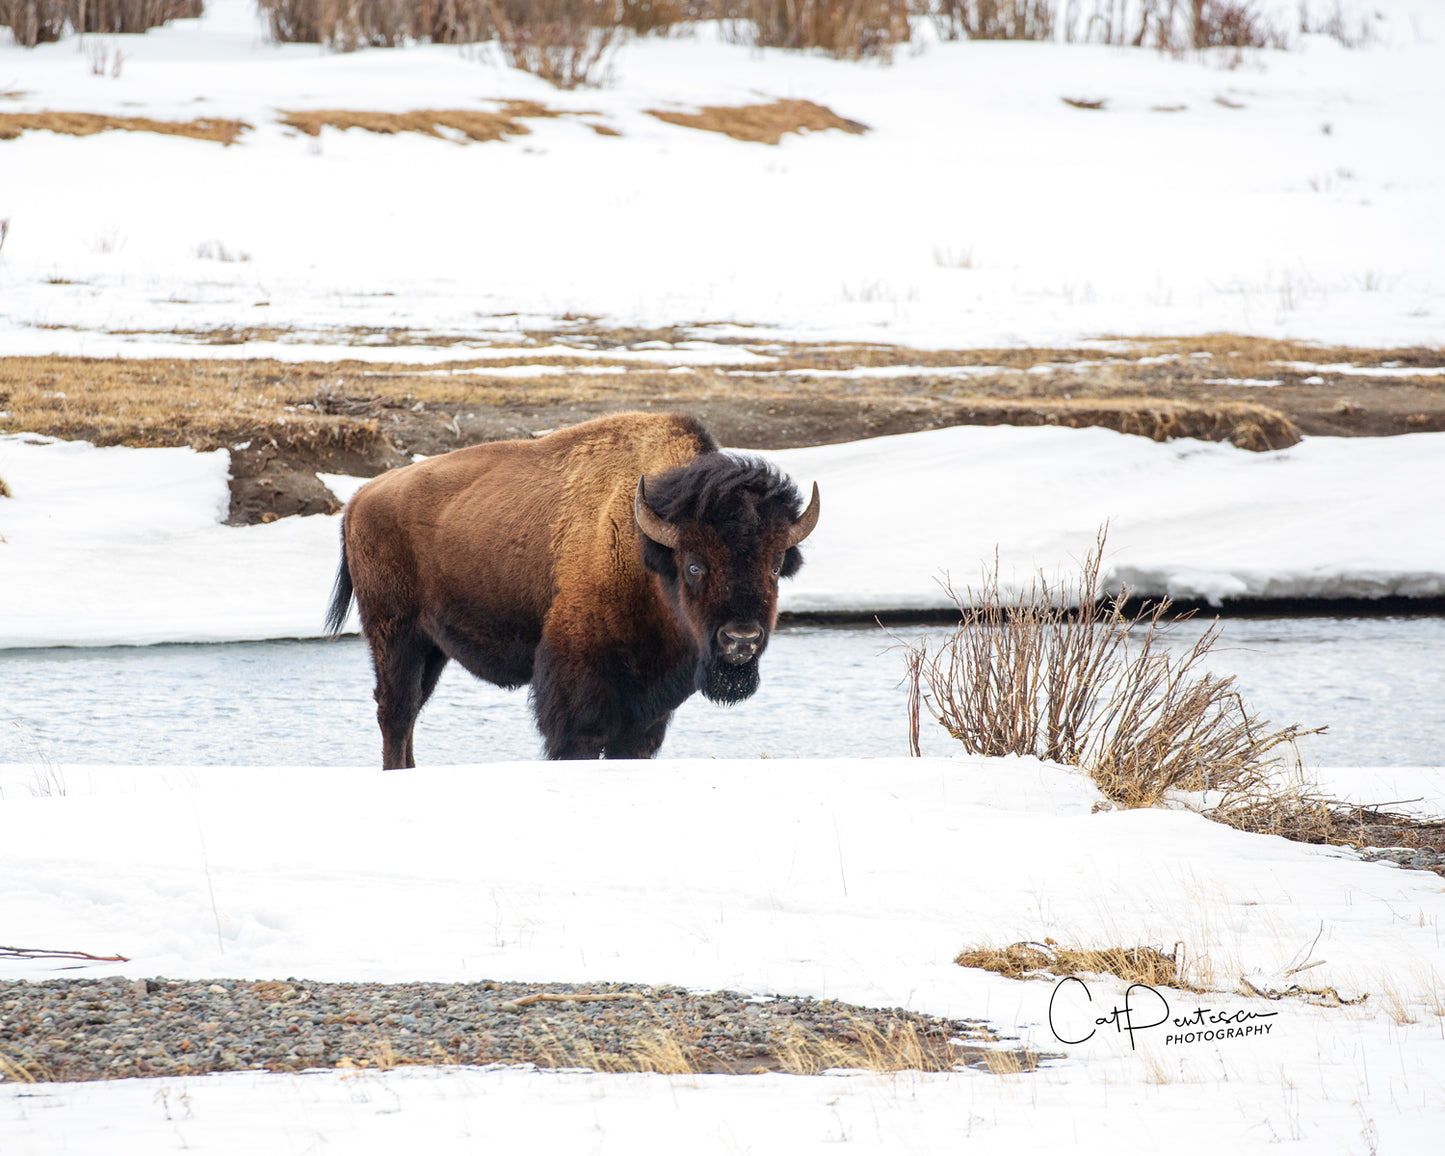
(341, 592)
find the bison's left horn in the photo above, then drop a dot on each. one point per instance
(804, 525)
(664, 533)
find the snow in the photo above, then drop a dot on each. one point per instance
(124, 546)
(1311, 212)
(844, 878)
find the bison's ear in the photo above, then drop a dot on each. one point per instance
(806, 524)
(663, 533)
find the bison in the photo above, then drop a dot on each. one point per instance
(617, 566)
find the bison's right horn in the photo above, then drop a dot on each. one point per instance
(664, 533)
(804, 525)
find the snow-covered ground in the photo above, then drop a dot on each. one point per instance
(118, 545)
(1294, 193)
(852, 879)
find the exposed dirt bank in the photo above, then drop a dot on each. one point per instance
(285, 422)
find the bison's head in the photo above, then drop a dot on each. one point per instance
(720, 532)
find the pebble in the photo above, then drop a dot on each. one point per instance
(88, 1029)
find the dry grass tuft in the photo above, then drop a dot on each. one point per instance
(24, 1072)
(762, 123)
(12, 124)
(1063, 673)
(1035, 960)
(4, 489)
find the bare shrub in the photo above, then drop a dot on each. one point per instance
(1063, 672)
(1168, 25)
(41, 21)
(848, 29)
(350, 24)
(34, 22)
(565, 42)
(994, 19)
(644, 16)
(1353, 30)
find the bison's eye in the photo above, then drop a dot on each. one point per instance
(693, 569)
(777, 565)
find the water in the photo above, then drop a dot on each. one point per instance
(1375, 682)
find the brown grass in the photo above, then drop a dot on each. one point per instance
(762, 123)
(473, 124)
(183, 401)
(4, 489)
(678, 1050)
(12, 124)
(1037, 960)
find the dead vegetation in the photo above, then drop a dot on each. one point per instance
(1063, 672)
(1029, 960)
(846, 29)
(470, 123)
(12, 124)
(41, 21)
(762, 123)
(1066, 672)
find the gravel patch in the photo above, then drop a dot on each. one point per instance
(94, 1029)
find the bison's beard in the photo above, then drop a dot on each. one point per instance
(725, 683)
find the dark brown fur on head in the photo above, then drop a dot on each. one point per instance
(733, 515)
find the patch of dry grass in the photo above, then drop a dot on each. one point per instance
(762, 123)
(475, 125)
(679, 1048)
(12, 124)
(1028, 960)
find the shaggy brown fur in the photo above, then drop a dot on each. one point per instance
(522, 561)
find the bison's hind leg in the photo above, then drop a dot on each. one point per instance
(407, 668)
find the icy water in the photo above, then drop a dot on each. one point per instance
(1377, 684)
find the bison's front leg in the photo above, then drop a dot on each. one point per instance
(640, 743)
(570, 703)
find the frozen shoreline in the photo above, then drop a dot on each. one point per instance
(122, 546)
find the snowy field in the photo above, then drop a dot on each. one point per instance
(1293, 194)
(852, 879)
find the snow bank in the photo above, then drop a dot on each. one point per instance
(122, 546)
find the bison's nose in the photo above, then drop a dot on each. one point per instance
(739, 641)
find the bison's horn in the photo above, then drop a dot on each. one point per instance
(664, 533)
(804, 525)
